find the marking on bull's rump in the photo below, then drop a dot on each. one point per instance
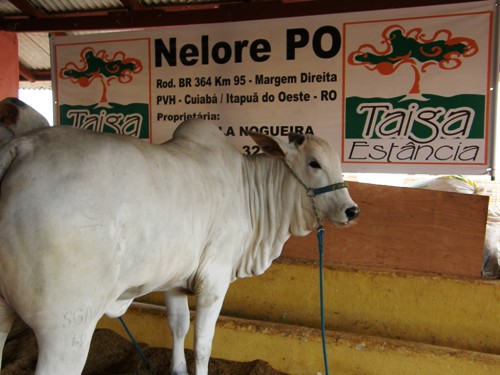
(80, 339)
(77, 317)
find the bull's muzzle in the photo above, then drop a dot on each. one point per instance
(352, 213)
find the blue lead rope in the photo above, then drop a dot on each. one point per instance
(136, 345)
(311, 193)
(321, 297)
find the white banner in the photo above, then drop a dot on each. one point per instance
(403, 90)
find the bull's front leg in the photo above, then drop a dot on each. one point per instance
(208, 306)
(178, 320)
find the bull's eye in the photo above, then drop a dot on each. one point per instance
(314, 164)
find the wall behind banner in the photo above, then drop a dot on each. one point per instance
(403, 90)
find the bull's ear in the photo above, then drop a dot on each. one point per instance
(267, 144)
(296, 138)
(8, 113)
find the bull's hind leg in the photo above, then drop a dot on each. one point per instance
(178, 321)
(7, 316)
(63, 350)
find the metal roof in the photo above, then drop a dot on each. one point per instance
(34, 20)
(34, 47)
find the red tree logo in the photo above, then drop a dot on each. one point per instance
(97, 65)
(414, 48)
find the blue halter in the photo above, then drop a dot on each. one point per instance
(326, 189)
(312, 192)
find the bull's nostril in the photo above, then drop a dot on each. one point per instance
(352, 212)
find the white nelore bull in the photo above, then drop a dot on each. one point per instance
(88, 222)
(17, 117)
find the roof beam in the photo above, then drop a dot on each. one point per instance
(198, 14)
(37, 75)
(26, 7)
(25, 73)
(132, 4)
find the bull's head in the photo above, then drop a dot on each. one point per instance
(316, 165)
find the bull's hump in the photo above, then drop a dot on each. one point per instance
(200, 132)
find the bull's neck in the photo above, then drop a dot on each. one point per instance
(278, 207)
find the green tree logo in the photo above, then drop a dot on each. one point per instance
(414, 48)
(97, 65)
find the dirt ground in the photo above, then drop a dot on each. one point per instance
(111, 354)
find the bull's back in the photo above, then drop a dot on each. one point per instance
(107, 207)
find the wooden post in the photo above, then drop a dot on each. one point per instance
(9, 65)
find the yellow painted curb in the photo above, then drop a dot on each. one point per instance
(458, 313)
(297, 350)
